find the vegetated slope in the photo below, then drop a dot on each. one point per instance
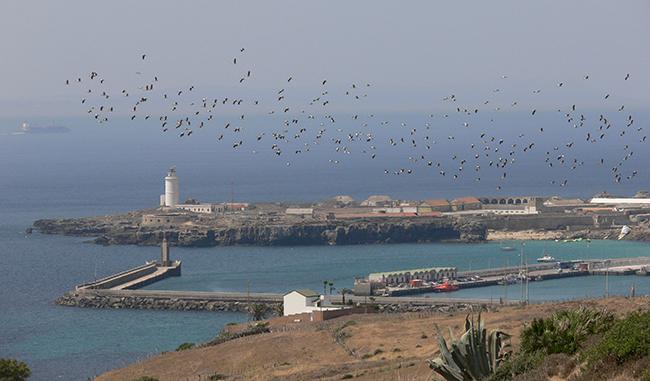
(359, 347)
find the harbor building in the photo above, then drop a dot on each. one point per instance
(405, 276)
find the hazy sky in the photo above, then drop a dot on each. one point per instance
(412, 52)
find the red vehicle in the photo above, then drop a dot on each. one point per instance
(446, 287)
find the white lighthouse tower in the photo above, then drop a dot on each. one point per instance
(170, 198)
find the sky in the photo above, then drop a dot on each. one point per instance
(413, 53)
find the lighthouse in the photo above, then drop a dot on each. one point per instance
(170, 198)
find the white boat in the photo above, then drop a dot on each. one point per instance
(546, 258)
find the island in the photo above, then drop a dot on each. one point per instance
(342, 220)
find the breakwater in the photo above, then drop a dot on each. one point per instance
(163, 300)
(242, 302)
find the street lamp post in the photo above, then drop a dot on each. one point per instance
(607, 278)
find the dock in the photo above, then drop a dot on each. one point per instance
(536, 272)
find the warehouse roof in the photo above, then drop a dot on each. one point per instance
(437, 202)
(305, 292)
(412, 271)
(465, 200)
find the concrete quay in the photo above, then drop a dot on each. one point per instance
(134, 278)
(540, 272)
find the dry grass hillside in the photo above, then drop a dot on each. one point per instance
(359, 347)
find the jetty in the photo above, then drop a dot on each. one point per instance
(510, 275)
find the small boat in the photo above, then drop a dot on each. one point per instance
(508, 279)
(507, 248)
(546, 258)
(446, 287)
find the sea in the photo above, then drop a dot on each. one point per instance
(106, 169)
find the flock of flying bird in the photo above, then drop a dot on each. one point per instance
(299, 128)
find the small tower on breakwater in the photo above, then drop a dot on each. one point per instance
(164, 253)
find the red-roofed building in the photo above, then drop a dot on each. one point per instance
(438, 205)
(465, 203)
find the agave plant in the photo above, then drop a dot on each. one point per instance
(473, 357)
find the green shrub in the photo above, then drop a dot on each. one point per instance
(13, 370)
(146, 378)
(626, 340)
(518, 364)
(217, 377)
(184, 346)
(564, 331)
(347, 376)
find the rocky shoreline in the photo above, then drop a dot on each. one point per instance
(127, 231)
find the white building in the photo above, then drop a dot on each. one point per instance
(300, 211)
(202, 208)
(300, 301)
(515, 209)
(377, 200)
(172, 194)
(620, 201)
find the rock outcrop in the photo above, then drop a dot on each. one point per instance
(124, 231)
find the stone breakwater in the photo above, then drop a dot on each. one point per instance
(127, 231)
(73, 299)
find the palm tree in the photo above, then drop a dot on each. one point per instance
(343, 292)
(330, 284)
(278, 309)
(258, 311)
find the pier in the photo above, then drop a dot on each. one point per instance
(534, 272)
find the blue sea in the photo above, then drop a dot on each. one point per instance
(95, 170)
